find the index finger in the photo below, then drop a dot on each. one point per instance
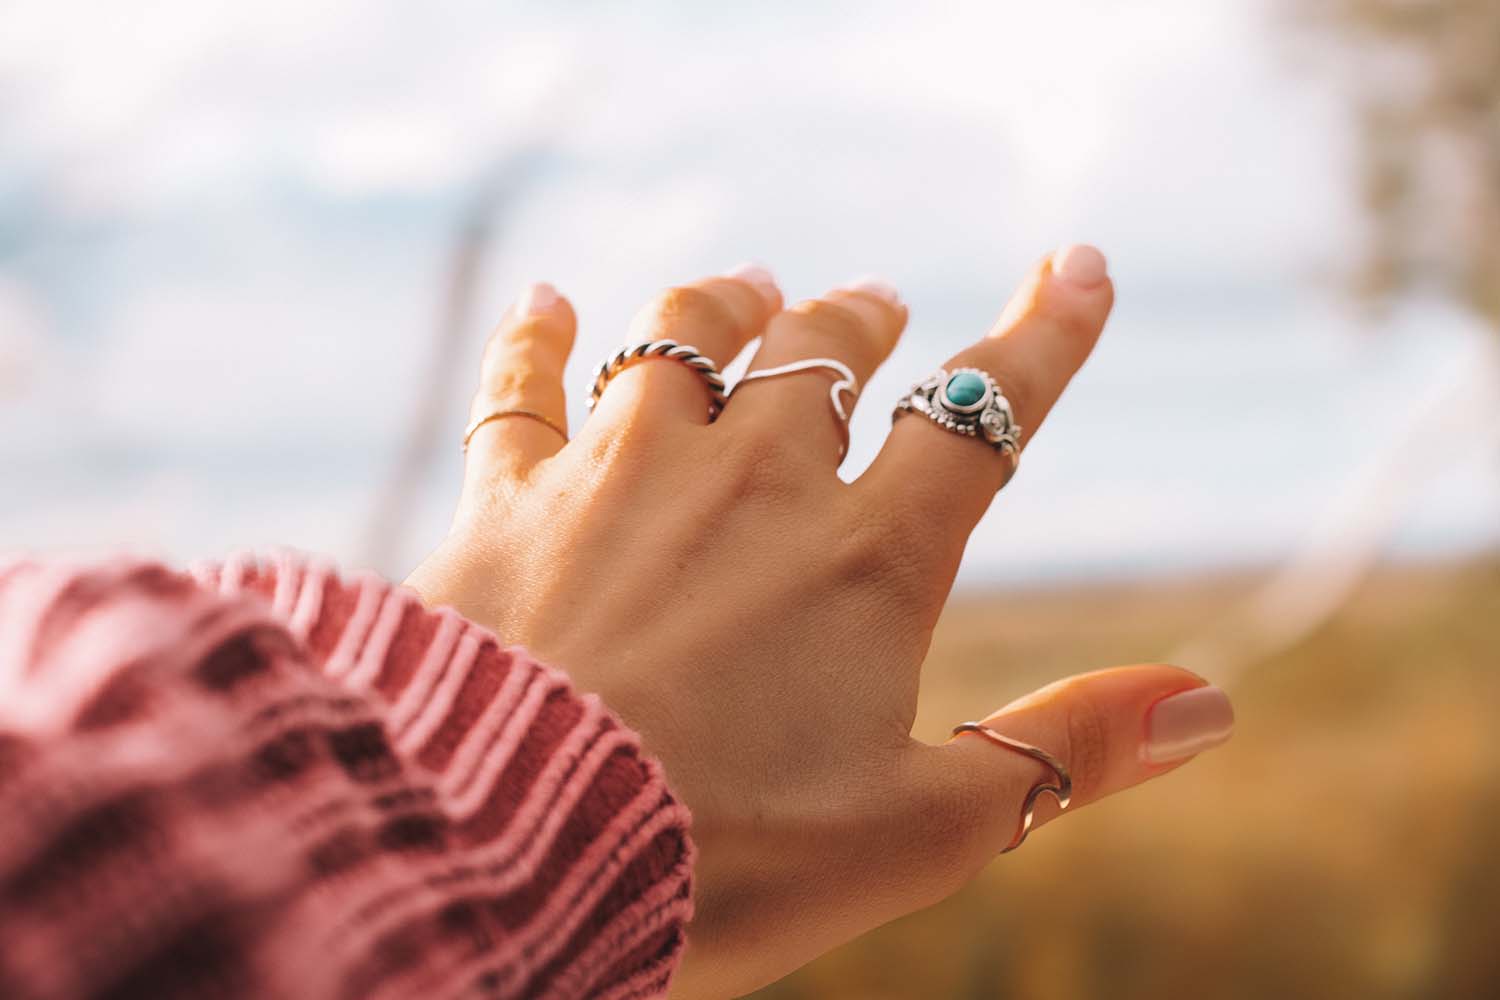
(1036, 346)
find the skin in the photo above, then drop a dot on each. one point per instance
(760, 622)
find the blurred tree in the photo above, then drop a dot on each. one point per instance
(480, 224)
(522, 157)
(1424, 79)
(1426, 86)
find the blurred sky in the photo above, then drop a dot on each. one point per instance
(224, 231)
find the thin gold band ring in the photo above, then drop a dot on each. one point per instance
(479, 422)
(1062, 791)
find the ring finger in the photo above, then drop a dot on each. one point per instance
(1040, 340)
(856, 325)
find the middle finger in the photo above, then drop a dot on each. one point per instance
(857, 325)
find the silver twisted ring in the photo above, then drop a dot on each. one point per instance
(966, 401)
(1062, 791)
(845, 383)
(632, 354)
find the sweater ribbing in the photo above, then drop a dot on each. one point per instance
(264, 779)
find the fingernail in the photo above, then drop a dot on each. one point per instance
(878, 287)
(538, 297)
(1080, 265)
(763, 280)
(1186, 724)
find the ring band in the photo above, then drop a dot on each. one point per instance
(1062, 791)
(479, 422)
(846, 382)
(633, 354)
(966, 401)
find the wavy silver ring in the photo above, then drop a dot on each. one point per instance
(845, 383)
(646, 350)
(1062, 791)
(966, 401)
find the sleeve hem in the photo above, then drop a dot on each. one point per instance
(418, 807)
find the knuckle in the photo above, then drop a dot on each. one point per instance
(763, 464)
(920, 547)
(894, 572)
(619, 451)
(507, 386)
(1069, 318)
(875, 552)
(833, 322)
(531, 339)
(683, 309)
(1088, 743)
(1077, 327)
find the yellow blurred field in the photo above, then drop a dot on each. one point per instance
(1346, 843)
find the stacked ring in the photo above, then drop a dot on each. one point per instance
(633, 354)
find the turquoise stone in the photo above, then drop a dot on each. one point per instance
(965, 389)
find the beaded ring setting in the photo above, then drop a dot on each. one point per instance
(966, 401)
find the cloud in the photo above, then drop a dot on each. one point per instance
(25, 327)
(240, 217)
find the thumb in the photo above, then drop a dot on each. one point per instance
(1109, 729)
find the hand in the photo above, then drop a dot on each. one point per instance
(762, 623)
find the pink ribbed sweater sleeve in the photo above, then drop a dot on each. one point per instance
(266, 780)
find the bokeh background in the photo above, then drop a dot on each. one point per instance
(249, 252)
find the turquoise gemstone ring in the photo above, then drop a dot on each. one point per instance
(966, 401)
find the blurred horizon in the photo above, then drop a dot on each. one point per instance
(249, 255)
(226, 246)
(1342, 844)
